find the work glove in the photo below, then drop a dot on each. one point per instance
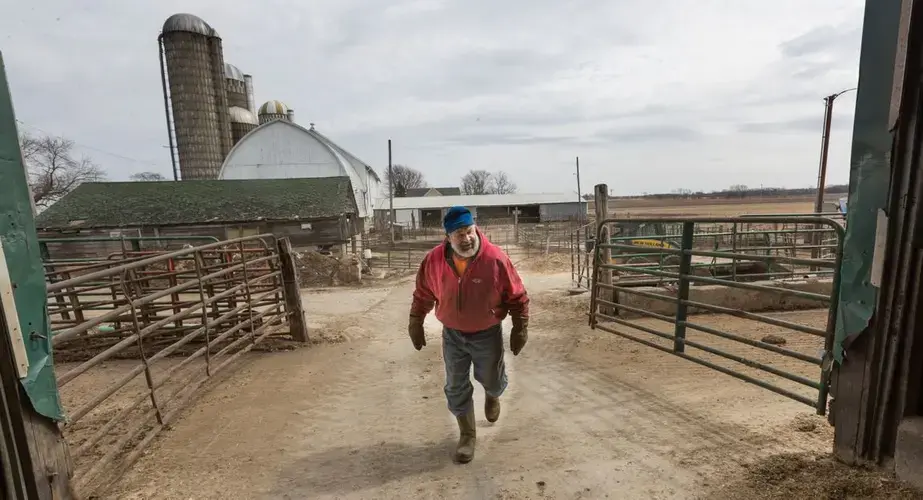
(417, 335)
(519, 334)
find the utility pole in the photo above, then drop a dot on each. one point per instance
(579, 192)
(390, 194)
(824, 149)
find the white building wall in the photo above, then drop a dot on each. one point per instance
(407, 217)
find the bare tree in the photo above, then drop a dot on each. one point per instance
(53, 170)
(500, 183)
(739, 190)
(476, 182)
(404, 178)
(147, 177)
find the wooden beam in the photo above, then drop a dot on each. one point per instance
(291, 291)
(605, 254)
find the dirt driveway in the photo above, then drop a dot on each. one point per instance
(587, 415)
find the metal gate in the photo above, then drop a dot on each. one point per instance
(752, 297)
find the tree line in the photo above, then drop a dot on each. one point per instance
(737, 191)
(403, 178)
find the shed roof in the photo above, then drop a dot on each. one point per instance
(130, 204)
(479, 200)
(444, 191)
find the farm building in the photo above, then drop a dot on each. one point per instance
(282, 149)
(311, 212)
(427, 211)
(432, 191)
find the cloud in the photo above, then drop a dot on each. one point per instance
(822, 40)
(703, 93)
(663, 134)
(796, 125)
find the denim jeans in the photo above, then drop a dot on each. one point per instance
(484, 349)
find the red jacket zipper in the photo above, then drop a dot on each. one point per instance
(458, 296)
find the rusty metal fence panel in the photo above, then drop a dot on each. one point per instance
(518, 239)
(697, 303)
(581, 241)
(171, 321)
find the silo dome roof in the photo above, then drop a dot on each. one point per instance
(273, 108)
(232, 72)
(241, 115)
(188, 22)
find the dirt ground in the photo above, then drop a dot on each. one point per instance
(588, 414)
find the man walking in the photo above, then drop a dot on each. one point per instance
(473, 286)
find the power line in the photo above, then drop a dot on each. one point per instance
(98, 150)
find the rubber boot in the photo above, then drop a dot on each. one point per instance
(464, 452)
(492, 408)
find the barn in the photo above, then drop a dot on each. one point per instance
(282, 149)
(427, 211)
(317, 212)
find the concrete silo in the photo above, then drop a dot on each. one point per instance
(236, 86)
(192, 64)
(251, 101)
(273, 110)
(242, 122)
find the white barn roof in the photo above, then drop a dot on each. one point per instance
(280, 149)
(479, 200)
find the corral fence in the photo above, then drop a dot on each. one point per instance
(520, 240)
(775, 332)
(137, 334)
(651, 245)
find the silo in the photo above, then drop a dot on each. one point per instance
(242, 122)
(198, 100)
(236, 87)
(273, 110)
(251, 101)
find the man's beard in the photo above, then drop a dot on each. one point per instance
(470, 252)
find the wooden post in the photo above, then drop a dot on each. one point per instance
(601, 197)
(516, 213)
(291, 291)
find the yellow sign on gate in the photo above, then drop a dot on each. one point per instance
(650, 243)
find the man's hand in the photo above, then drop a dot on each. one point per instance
(417, 335)
(519, 335)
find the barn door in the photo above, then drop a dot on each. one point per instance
(753, 297)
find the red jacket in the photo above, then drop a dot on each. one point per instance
(489, 289)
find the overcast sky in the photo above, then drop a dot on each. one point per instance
(652, 95)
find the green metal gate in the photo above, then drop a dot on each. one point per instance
(770, 328)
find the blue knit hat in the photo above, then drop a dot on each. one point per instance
(456, 218)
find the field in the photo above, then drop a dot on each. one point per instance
(716, 207)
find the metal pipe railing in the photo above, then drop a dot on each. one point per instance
(206, 316)
(686, 272)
